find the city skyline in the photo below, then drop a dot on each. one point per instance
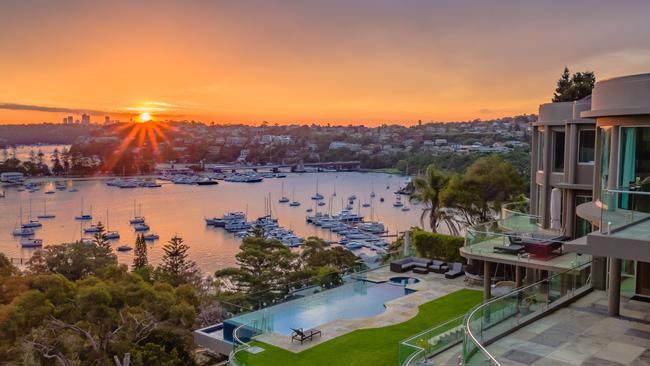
(359, 62)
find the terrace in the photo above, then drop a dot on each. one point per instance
(490, 242)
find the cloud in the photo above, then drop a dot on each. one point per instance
(40, 108)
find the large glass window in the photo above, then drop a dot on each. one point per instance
(540, 149)
(587, 145)
(558, 151)
(635, 167)
(605, 137)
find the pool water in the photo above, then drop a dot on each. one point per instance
(404, 280)
(359, 299)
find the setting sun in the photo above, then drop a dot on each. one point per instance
(145, 117)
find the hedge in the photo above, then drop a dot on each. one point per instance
(438, 246)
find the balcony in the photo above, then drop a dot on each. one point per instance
(518, 239)
(623, 215)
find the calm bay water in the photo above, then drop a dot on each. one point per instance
(181, 209)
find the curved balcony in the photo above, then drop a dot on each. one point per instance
(500, 316)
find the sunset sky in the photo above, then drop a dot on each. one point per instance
(339, 61)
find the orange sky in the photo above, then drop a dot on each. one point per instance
(340, 61)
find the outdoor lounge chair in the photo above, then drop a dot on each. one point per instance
(438, 266)
(513, 249)
(455, 271)
(303, 335)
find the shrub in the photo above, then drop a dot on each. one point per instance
(438, 246)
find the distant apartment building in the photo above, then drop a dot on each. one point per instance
(336, 145)
(85, 119)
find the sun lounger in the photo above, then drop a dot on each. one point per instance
(513, 249)
(455, 271)
(304, 335)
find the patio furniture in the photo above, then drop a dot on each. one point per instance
(514, 238)
(421, 270)
(455, 271)
(408, 263)
(473, 279)
(542, 246)
(513, 249)
(303, 335)
(438, 266)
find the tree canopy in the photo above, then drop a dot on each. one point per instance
(574, 87)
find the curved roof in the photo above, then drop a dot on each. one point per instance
(620, 96)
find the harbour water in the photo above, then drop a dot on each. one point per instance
(175, 209)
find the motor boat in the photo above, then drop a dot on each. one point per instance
(124, 248)
(372, 227)
(137, 220)
(206, 182)
(31, 243)
(353, 245)
(321, 203)
(294, 204)
(406, 209)
(283, 200)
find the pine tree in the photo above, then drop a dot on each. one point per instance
(140, 259)
(175, 265)
(100, 237)
(563, 87)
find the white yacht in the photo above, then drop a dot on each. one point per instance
(372, 227)
(31, 243)
(398, 201)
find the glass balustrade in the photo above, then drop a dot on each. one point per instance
(500, 316)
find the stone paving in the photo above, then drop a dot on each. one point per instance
(430, 287)
(579, 335)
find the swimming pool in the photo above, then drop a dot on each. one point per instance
(359, 299)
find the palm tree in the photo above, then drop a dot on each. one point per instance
(426, 191)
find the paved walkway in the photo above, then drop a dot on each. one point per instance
(430, 287)
(580, 335)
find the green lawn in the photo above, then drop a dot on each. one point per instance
(376, 347)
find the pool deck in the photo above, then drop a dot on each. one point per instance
(430, 287)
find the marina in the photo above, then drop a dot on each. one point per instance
(184, 210)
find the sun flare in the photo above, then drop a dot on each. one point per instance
(145, 117)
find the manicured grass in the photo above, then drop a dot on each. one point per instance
(376, 347)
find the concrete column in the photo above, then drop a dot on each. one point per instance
(518, 275)
(614, 286)
(487, 280)
(530, 276)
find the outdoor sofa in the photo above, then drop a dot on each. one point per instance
(438, 266)
(409, 263)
